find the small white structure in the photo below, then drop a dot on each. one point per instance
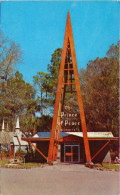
(12, 141)
(17, 139)
(107, 158)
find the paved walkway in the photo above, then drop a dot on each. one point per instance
(59, 180)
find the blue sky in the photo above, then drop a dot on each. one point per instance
(39, 27)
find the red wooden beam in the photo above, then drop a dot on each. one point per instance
(100, 150)
(80, 103)
(35, 139)
(59, 87)
(38, 150)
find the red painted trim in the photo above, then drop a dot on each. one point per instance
(103, 138)
(18, 141)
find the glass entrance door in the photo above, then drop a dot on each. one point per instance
(72, 153)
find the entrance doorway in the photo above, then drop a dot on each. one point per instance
(72, 153)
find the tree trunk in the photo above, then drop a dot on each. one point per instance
(41, 111)
(46, 103)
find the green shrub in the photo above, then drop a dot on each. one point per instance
(20, 152)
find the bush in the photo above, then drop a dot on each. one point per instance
(113, 156)
(30, 156)
(20, 152)
(3, 150)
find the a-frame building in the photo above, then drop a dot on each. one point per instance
(68, 76)
(69, 140)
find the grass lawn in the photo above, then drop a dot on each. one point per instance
(4, 163)
(111, 166)
(104, 166)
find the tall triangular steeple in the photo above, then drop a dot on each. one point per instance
(3, 125)
(67, 69)
(17, 123)
(17, 128)
(7, 129)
